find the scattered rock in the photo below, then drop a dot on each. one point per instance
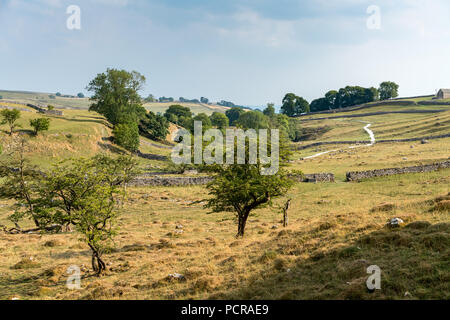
(424, 141)
(179, 227)
(395, 223)
(176, 276)
(274, 227)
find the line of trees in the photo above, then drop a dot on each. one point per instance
(354, 95)
(294, 105)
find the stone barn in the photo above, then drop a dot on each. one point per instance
(443, 94)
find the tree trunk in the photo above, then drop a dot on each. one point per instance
(97, 263)
(242, 222)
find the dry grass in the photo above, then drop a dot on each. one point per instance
(336, 231)
(334, 235)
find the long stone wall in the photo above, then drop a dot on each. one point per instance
(147, 180)
(360, 175)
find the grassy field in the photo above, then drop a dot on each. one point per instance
(195, 107)
(336, 229)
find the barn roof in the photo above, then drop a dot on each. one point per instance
(445, 90)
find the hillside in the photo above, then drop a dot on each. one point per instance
(84, 103)
(336, 229)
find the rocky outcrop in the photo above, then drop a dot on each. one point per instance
(360, 175)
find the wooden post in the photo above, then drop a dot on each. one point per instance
(285, 213)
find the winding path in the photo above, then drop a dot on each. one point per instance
(372, 142)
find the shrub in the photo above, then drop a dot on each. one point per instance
(39, 125)
(127, 135)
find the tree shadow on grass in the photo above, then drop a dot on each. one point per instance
(414, 262)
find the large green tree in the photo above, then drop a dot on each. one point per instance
(294, 105)
(388, 90)
(219, 120)
(253, 120)
(115, 95)
(233, 114)
(270, 110)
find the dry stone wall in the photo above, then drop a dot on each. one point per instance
(148, 180)
(360, 175)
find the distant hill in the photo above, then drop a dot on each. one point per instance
(84, 103)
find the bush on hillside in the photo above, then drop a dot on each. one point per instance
(126, 135)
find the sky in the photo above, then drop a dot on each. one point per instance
(250, 52)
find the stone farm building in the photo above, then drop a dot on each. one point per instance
(443, 94)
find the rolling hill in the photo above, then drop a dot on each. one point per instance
(83, 103)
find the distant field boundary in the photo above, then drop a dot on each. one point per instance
(360, 175)
(316, 144)
(375, 114)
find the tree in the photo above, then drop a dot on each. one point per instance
(233, 114)
(204, 100)
(179, 111)
(154, 126)
(50, 107)
(219, 120)
(242, 189)
(58, 94)
(39, 125)
(1, 97)
(20, 181)
(116, 96)
(294, 105)
(80, 95)
(10, 118)
(253, 120)
(85, 193)
(127, 135)
(270, 110)
(388, 90)
(150, 98)
(206, 122)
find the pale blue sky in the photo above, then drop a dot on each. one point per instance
(250, 52)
